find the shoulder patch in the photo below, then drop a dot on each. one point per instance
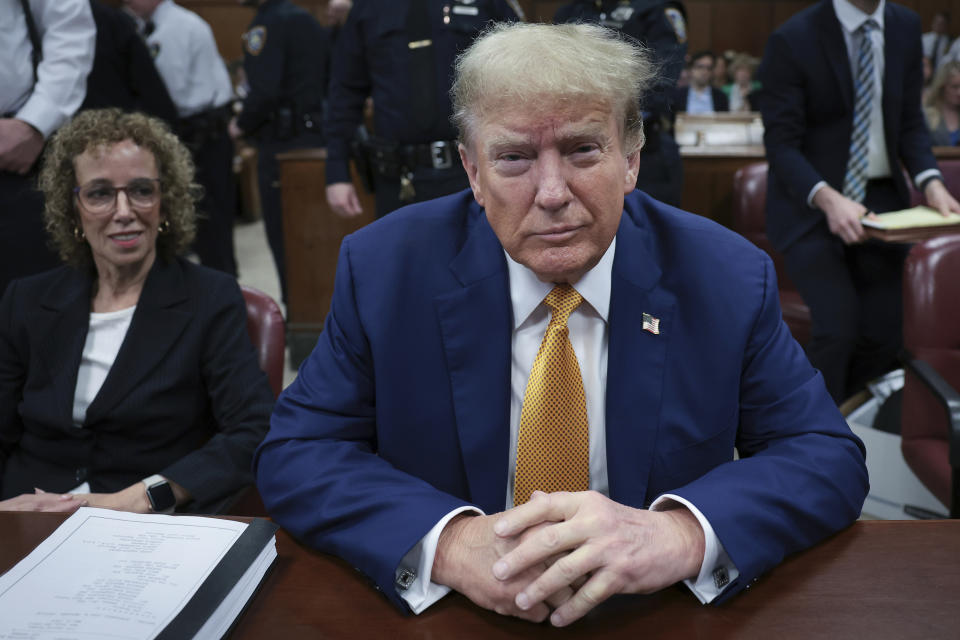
(677, 21)
(255, 39)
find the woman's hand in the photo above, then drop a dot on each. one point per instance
(40, 500)
(133, 498)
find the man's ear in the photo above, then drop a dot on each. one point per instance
(632, 171)
(470, 166)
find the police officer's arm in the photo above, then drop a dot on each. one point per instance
(349, 87)
(263, 52)
(68, 35)
(664, 31)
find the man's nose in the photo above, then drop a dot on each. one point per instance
(553, 191)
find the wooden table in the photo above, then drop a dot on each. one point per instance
(876, 580)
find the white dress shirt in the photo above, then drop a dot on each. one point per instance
(700, 101)
(935, 46)
(187, 59)
(68, 37)
(105, 334)
(588, 332)
(851, 18)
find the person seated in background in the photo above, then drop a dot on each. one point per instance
(700, 96)
(530, 392)
(126, 378)
(942, 106)
(720, 77)
(740, 92)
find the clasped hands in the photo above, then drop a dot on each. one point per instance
(562, 554)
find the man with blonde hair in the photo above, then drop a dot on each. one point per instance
(530, 392)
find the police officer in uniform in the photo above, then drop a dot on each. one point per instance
(123, 74)
(187, 58)
(286, 53)
(661, 26)
(46, 51)
(401, 53)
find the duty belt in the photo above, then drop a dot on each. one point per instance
(439, 154)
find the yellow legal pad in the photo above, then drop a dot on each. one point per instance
(911, 218)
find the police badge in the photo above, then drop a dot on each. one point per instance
(254, 40)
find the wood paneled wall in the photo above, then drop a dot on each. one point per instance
(720, 25)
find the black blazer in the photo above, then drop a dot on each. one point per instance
(185, 397)
(807, 106)
(720, 100)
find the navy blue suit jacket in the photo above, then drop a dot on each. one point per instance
(401, 412)
(807, 106)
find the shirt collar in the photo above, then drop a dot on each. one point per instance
(851, 17)
(527, 291)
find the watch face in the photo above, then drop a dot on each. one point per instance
(161, 497)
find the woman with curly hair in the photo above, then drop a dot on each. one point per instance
(127, 378)
(942, 106)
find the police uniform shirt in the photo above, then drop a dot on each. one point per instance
(67, 34)
(659, 25)
(371, 57)
(188, 61)
(285, 56)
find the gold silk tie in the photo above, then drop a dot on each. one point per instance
(553, 443)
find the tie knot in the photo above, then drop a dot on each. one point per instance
(562, 299)
(868, 26)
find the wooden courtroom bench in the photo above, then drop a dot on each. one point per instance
(312, 235)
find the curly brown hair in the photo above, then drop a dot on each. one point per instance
(99, 128)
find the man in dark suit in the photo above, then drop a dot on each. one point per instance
(559, 345)
(700, 96)
(830, 166)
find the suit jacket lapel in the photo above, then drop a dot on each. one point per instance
(160, 318)
(475, 325)
(835, 48)
(58, 329)
(635, 364)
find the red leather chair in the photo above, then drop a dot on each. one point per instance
(749, 220)
(266, 329)
(930, 424)
(265, 326)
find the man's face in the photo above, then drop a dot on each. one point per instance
(939, 24)
(552, 181)
(701, 72)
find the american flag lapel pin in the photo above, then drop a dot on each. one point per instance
(651, 324)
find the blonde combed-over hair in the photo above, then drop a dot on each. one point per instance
(525, 65)
(97, 129)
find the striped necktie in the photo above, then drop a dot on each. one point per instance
(855, 180)
(553, 443)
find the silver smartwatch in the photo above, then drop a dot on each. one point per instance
(160, 494)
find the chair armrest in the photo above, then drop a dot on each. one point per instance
(950, 399)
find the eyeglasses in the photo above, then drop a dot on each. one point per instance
(100, 198)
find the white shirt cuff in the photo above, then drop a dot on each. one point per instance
(416, 566)
(716, 571)
(813, 192)
(923, 176)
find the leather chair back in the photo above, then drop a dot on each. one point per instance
(266, 329)
(749, 220)
(931, 333)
